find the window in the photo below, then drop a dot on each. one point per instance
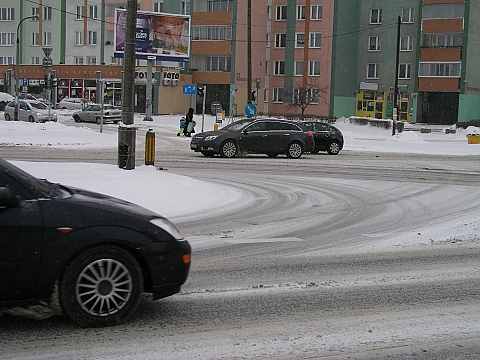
(443, 11)
(375, 16)
(301, 12)
(269, 15)
(277, 95)
(35, 39)
(372, 71)
(92, 38)
(211, 33)
(35, 60)
(312, 96)
(280, 40)
(36, 12)
(267, 67)
(408, 15)
(6, 60)
(315, 40)
(78, 60)
(298, 68)
(220, 5)
(158, 6)
(439, 69)
(316, 12)
(93, 12)
(78, 37)
(47, 13)
(80, 12)
(91, 60)
(300, 40)
(281, 13)
(7, 39)
(47, 38)
(404, 71)
(406, 43)
(314, 68)
(279, 67)
(7, 14)
(442, 40)
(185, 10)
(265, 95)
(219, 63)
(374, 43)
(267, 38)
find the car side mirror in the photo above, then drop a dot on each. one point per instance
(7, 198)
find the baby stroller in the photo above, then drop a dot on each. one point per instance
(182, 126)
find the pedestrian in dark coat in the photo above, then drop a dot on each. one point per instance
(188, 129)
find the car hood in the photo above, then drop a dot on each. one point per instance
(78, 208)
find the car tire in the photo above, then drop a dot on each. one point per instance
(7, 117)
(334, 148)
(228, 149)
(31, 119)
(101, 287)
(77, 118)
(294, 150)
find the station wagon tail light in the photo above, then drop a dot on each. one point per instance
(309, 134)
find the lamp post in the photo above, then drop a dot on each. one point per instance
(17, 63)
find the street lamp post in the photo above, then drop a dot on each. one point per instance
(17, 63)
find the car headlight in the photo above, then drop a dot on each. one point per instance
(211, 137)
(39, 114)
(168, 226)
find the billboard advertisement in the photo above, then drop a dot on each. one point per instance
(165, 36)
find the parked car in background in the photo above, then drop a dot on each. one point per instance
(26, 96)
(73, 103)
(256, 136)
(327, 137)
(93, 113)
(99, 252)
(30, 110)
(5, 98)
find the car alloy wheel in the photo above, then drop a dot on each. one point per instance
(76, 118)
(228, 149)
(333, 148)
(101, 287)
(294, 150)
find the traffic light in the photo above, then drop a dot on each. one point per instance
(47, 81)
(53, 83)
(200, 91)
(254, 95)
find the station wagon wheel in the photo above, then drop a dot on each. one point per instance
(31, 119)
(7, 117)
(228, 149)
(294, 150)
(334, 148)
(101, 287)
(77, 118)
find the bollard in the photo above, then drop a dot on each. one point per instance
(150, 147)
(215, 127)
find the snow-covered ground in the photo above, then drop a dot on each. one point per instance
(171, 199)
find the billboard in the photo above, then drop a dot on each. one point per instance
(165, 36)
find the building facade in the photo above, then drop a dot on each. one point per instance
(347, 63)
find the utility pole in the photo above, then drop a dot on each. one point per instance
(249, 51)
(395, 96)
(126, 131)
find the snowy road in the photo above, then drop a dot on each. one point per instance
(306, 266)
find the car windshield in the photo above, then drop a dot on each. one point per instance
(109, 107)
(237, 125)
(38, 105)
(48, 189)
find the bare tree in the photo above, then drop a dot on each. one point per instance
(300, 98)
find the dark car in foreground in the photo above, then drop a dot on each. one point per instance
(256, 136)
(327, 137)
(99, 252)
(93, 113)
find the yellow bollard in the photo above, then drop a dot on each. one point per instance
(215, 126)
(150, 147)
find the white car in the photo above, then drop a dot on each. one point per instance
(30, 110)
(73, 103)
(93, 113)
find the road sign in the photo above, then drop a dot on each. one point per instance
(250, 110)
(47, 51)
(189, 89)
(25, 82)
(216, 107)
